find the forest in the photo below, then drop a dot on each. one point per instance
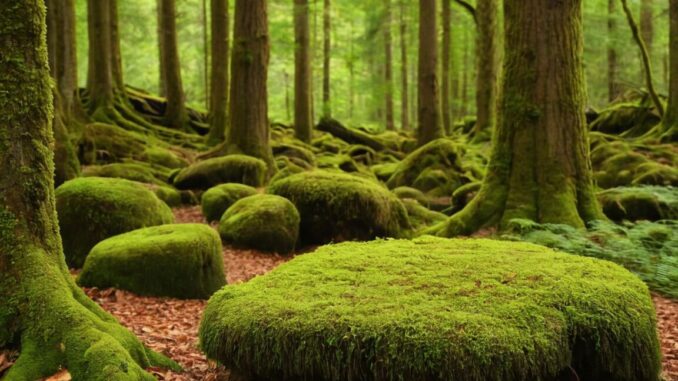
(339, 190)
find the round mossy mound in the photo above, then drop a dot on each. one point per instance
(436, 309)
(261, 222)
(228, 169)
(179, 261)
(341, 207)
(91, 209)
(215, 201)
(650, 203)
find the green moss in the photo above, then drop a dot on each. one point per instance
(109, 143)
(464, 194)
(640, 203)
(404, 193)
(384, 171)
(163, 157)
(215, 201)
(261, 222)
(436, 309)
(92, 209)
(170, 196)
(361, 154)
(130, 171)
(420, 216)
(227, 169)
(627, 119)
(296, 152)
(179, 261)
(336, 207)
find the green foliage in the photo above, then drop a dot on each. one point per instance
(227, 169)
(436, 309)
(215, 201)
(91, 209)
(337, 207)
(650, 250)
(640, 203)
(261, 222)
(179, 261)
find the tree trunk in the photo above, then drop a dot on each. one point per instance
(612, 87)
(116, 55)
(388, 65)
(465, 75)
(99, 79)
(446, 51)
(43, 311)
(161, 50)
(647, 24)
(206, 56)
(669, 129)
(539, 168)
(487, 65)
(303, 122)
(327, 41)
(219, 73)
(175, 114)
(404, 73)
(430, 121)
(249, 130)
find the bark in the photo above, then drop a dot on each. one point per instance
(161, 50)
(430, 121)
(206, 55)
(487, 64)
(116, 55)
(647, 24)
(100, 79)
(669, 128)
(176, 115)
(388, 66)
(249, 129)
(612, 70)
(327, 46)
(405, 87)
(303, 96)
(465, 75)
(350, 136)
(446, 62)
(539, 168)
(219, 72)
(43, 311)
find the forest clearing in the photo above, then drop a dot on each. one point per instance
(339, 190)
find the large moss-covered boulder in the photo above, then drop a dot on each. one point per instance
(339, 207)
(179, 261)
(261, 222)
(228, 169)
(218, 199)
(437, 310)
(91, 209)
(650, 203)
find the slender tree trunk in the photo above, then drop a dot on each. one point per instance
(219, 73)
(175, 114)
(327, 41)
(116, 55)
(42, 309)
(206, 55)
(100, 78)
(351, 72)
(647, 24)
(303, 96)
(430, 121)
(404, 93)
(487, 65)
(669, 128)
(161, 50)
(388, 65)
(249, 130)
(539, 168)
(465, 75)
(446, 51)
(612, 86)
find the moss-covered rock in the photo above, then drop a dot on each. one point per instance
(91, 209)
(295, 152)
(130, 171)
(650, 203)
(215, 201)
(172, 197)
(179, 261)
(261, 222)
(435, 309)
(163, 157)
(228, 169)
(337, 207)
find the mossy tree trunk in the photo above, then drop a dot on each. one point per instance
(447, 63)
(249, 129)
(540, 167)
(176, 114)
(303, 96)
(404, 67)
(100, 78)
(388, 66)
(219, 72)
(327, 50)
(487, 62)
(43, 312)
(430, 121)
(161, 49)
(116, 54)
(647, 23)
(668, 131)
(612, 86)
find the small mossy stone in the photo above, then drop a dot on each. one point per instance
(338, 207)
(650, 203)
(169, 195)
(261, 222)
(215, 201)
(437, 310)
(178, 261)
(227, 169)
(91, 209)
(163, 157)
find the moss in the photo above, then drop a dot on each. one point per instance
(384, 171)
(130, 171)
(420, 216)
(163, 157)
(92, 209)
(336, 207)
(170, 196)
(627, 119)
(179, 261)
(640, 203)
(261, 222)
(362, 154)
(227, 169)
(464, 194)
(109, 143)
(295, 151)
(436, 309)
(413, 194)
(215, 201)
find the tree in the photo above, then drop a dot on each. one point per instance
(388, 65)
(100, 77)
(219, 72)
(539, 168)
(668, 131)
(487, 65)
(43, 311)
(327, 51)
(430, 122)
(248, 132)
(161, 49)
(612, 86)
(175, 113)
(647, 23)
(405, 87)
(447, 63)
(303, 96)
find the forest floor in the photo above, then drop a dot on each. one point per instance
(170, 326)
